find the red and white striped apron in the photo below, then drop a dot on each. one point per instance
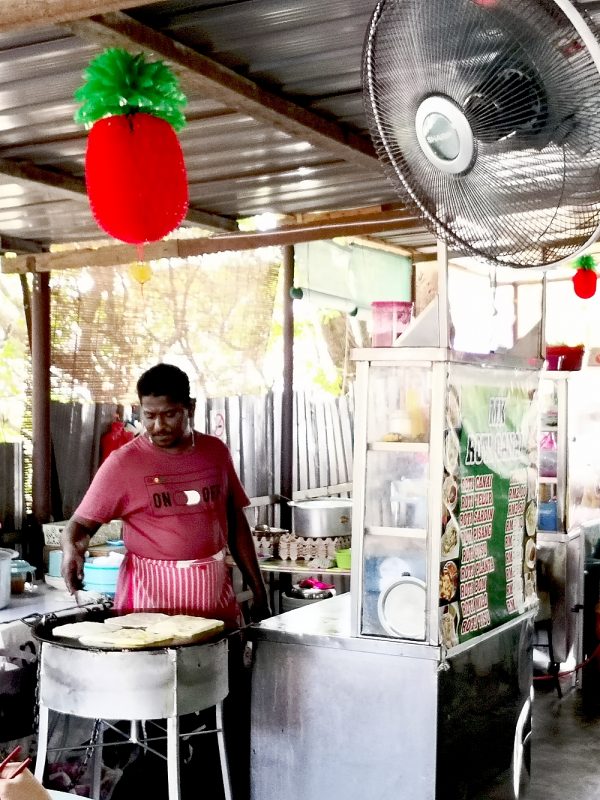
(202, 587)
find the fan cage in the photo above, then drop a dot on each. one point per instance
(529, 83)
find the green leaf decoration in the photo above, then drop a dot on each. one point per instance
(117, 82)
(585, 262)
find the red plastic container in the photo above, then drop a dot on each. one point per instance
(390, 319)
(564, 358)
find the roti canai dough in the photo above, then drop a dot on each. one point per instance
(139, 619)
(184, 626)
(74, 630)
(123, 637)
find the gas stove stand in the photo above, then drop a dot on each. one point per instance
(135, 685)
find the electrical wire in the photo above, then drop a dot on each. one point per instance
(566, 672)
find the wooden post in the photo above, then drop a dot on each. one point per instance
(287, 400)
(40, 353)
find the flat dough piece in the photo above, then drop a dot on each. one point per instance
(186, 627)
(124, 638)
(139, 619)
(74, 630)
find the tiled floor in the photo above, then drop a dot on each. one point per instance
(565, 747)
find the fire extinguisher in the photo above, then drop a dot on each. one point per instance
(116, 437)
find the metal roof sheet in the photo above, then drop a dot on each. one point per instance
(298, 61)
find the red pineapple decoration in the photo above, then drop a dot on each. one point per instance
(585, 278)
(134, 168)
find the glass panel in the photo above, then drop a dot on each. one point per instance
(389, 561)
(399, 402)
(396, 502)
(583, 468)
(396, 490)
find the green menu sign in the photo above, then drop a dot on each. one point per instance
(490, 457)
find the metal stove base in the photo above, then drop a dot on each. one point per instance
(139, 686)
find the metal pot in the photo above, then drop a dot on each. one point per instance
(316, 519)
(6, 557)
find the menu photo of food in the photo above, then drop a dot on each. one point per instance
(530, 587)
(450, 492)
(453, 408)
(449, 619)
(451, 452)
(450, 540)
(448, 581)
(530, 554)
(531, 515)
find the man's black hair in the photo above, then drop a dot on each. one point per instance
(167, 380)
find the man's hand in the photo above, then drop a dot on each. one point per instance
(75, 541)
(23, 787)
(71, 569)
(260, 608)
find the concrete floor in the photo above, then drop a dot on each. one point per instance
(565, 753)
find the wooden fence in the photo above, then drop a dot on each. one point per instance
(250, 425)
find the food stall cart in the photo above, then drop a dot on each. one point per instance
(417, 683)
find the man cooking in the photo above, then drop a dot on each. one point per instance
(181, 503)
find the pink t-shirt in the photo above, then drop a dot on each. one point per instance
(173, 505)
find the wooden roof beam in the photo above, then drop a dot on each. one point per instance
(225, 86)
(74, 188)
(20, 14)
(114, 255)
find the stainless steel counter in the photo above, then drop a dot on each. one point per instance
(44, 600)
(350, 718)
(327, 624)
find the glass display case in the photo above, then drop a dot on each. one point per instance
(393, 503)
(444, 517)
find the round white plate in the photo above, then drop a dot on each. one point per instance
(401, 608)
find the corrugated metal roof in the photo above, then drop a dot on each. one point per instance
(238, 166)
(311, 155)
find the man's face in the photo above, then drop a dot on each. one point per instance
(166, 422)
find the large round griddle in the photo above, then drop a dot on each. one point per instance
(43, 630)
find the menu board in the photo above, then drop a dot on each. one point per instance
(487, 567)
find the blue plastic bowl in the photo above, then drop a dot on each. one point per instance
(100, 577)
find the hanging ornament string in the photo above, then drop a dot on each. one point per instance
(141, 272)
(134, 167)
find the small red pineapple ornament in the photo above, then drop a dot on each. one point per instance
(585, 278)
(134, 168)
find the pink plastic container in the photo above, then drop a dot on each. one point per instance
(390, 319)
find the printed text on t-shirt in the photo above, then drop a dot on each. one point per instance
(183, 494)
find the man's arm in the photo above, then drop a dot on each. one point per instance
(75, 540)
(241, 546)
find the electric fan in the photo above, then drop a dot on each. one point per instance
(486, 117)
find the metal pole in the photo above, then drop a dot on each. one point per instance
(287, 399)
(542, 334)
(443, 309)
(40, 354)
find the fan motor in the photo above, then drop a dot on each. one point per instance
(511, 102)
